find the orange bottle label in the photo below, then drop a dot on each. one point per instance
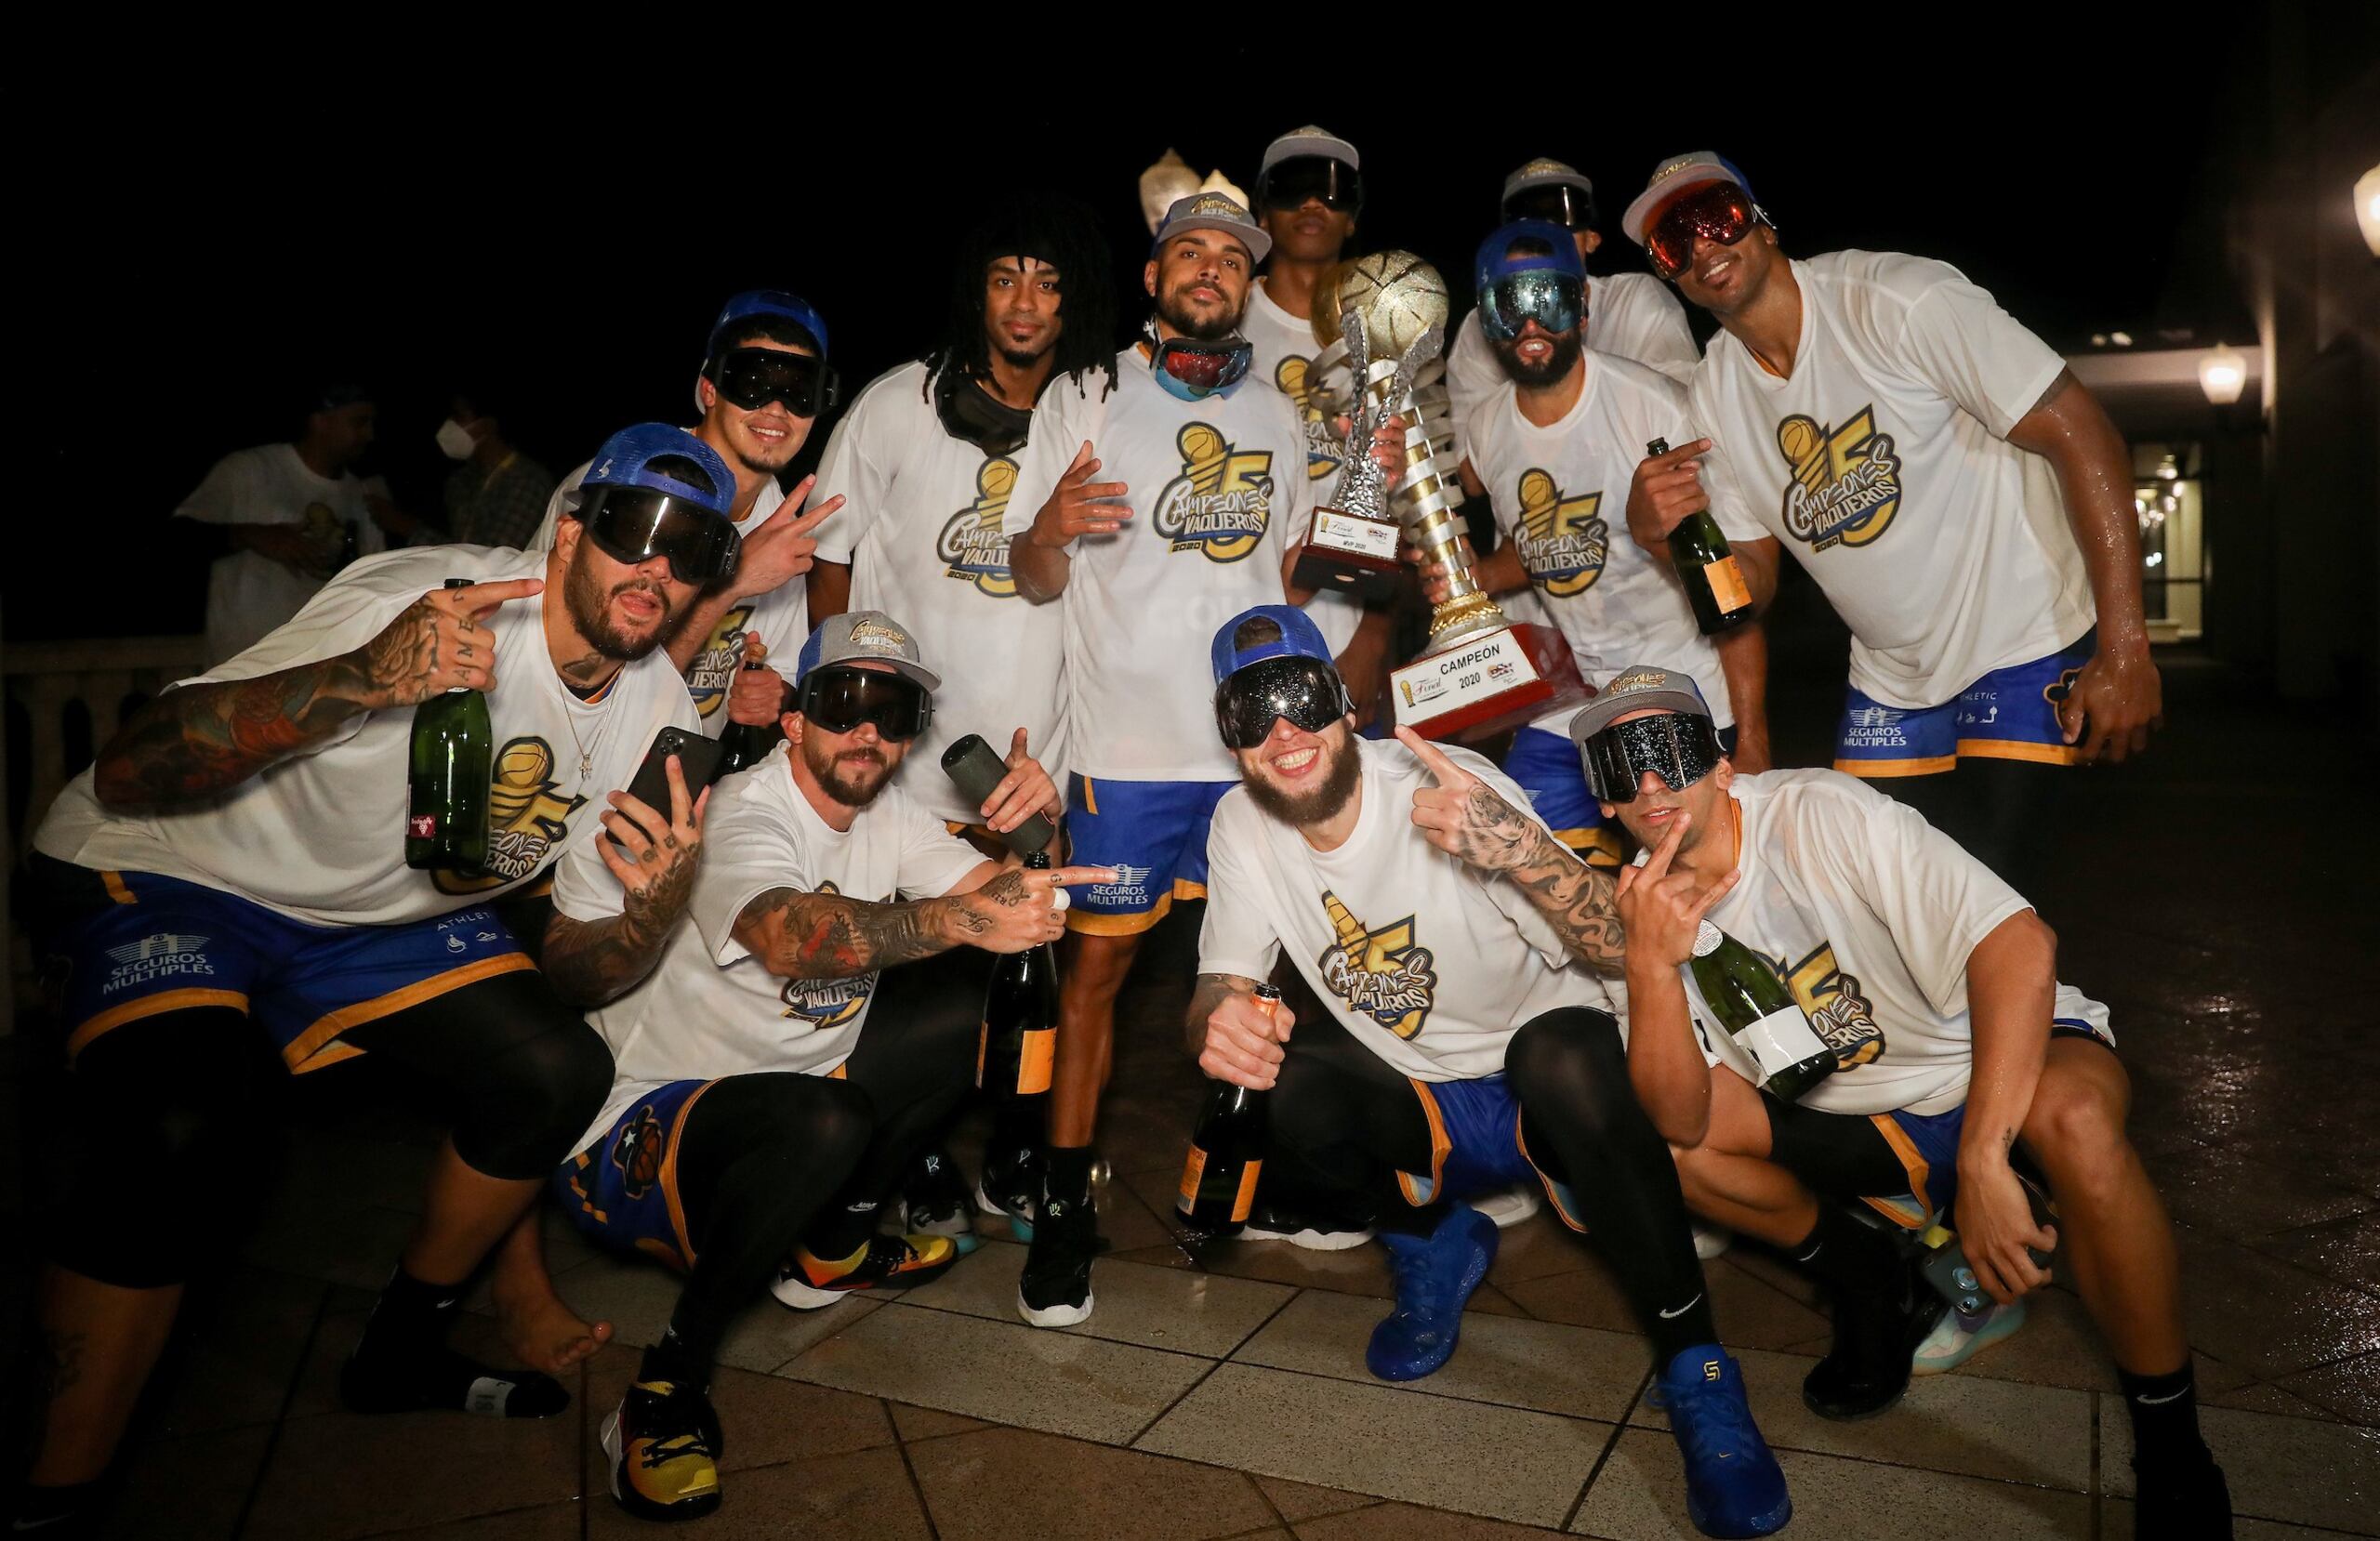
(1246, 1199)
(1034, 1066)
(983, 1047)
(1193, 1168)
(1727, 585)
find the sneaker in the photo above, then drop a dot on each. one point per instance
(886, 1262)
(1710, 1241)
(663, 1442)
(1733, 1486)
(1435, 1276)
(934, 1202)
(1010, 1188)
(1511, 1205)
(1054, 1290)
(1876, 1336)
(1311, 1228)
(1958, 1336)
(2186, 1500)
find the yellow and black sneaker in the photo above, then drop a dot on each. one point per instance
(807, 1283)
(664, 1444)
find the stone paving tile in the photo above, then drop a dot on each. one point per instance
(1504, 1462)
(1640, 1495)
(552, 1522)
(2295, 1470)
(1302, 1501)
(187, 1489)
(1996, 1429)
(2116, 1524)
(1209, 1314)
(763, 1419)
(350, 1476)
(2348, 1254)
(1011, 1485)
(927, 1423)
(2349, 1389)
(1576, 1371)
(2219, 1191)
(1411, 1523)
(2266, 1317)
(350, 1244)
(865, 1493)
(1062, 1383)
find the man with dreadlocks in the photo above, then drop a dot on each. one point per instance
(923, 464)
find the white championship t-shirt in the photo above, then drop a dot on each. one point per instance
(1883, 467)
(1868, 913)
(780, 618)
(1432, 966)
(1560, 494)
(921, 528)
(1633, 315)
(710, 1007)
(247, 592)
(321, 836)
(1218, 492)
(1283, 349)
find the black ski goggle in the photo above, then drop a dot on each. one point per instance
(1560, 202)
(1553, 301)
(1306, 691)
(838, 698)
(752, 378)
(970, 415)
(632, 525)
(1679, 747)
(1335, 184)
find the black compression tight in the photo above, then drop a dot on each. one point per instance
(2004, 811)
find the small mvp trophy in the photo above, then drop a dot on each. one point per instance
(1480, 673)
(1351, 545)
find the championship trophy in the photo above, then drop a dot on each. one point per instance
(1351, 545)
(1480, 673)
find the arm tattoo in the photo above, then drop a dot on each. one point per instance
(589, 962)
(1496, 836)
(1582, 903)
(200, 741)
(1208, 993)
(827, 936)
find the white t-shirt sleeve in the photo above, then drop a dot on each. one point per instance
(1729, 508)
(1667, 342)
(1236, 938)
(227, 496)
(1065, 417)
(933, 860)
(851, 469)
(1956, 338)
(749, 846)
(1473, 376)
(1937, 900)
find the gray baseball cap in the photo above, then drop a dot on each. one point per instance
(1638, 687)
(862, 637)
(1213, 211)
(1309, 140)
(1543, 172)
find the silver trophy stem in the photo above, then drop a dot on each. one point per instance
(1427, 507)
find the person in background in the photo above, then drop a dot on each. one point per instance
(495, 496)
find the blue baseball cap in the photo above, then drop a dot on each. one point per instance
(1299, 638)
(1561, 258)
(767, 302)
(625, 460)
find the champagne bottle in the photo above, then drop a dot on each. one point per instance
(451, 773)
(744, 744)
(1713, 579)
(1020, 1035)
(1759, 1012)
(1227, 1152)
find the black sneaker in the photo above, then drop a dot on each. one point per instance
(1012, 1188)
(2186, 1499)
(1316, 1230)
(1876, 1333)
(934, 1202)
(664, 1444)
(1055, 1288)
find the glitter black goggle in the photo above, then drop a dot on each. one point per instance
(1679, 747)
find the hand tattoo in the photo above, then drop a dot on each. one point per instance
(827, 936)
(1496, 836)
(1210, 992)
(589, 962)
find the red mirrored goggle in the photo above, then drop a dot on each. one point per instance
(1716, 211)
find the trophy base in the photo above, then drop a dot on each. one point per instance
(1489, 684)
(1350, 554)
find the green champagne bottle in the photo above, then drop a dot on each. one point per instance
(745, 744)
(1713, 579)
(452, 773)
(1227, 1152)
(1759, 1012)
(1019, 1042)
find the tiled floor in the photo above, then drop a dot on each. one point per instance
(1229, 1399)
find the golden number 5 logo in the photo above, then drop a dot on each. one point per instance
(1845, 484)
(527, 819)
(1220, 504)
(972, 546)
(1837, 1011)
(1563, 544)
(1383, 974)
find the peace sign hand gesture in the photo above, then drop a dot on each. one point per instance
(1661, 910)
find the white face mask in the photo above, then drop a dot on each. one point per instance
(456, 440)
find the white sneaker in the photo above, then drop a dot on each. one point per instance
(1511, 1206)
(1710, 1241)
(1958, 1337)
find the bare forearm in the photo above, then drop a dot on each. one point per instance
(830, 589)
(2012, 989)
(1757, 560)
(1500, 572)
(2070, 428)
(687, 642)
(200, 741)
(1744, 660)
(1041, 572)
(1209, 993)
(590, 962)
(826, 936)
(1665, 1063)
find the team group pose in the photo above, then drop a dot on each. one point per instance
(728, 1027)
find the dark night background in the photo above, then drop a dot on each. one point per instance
(567, 240)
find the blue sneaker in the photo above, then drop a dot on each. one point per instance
(1733, 1486)
(1435, 1276)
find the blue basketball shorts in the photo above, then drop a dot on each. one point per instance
(1154, 834)
(2008, 714)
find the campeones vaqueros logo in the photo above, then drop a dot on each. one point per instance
(1564, 542)
(972, 547)
(1222, 503)
(1383, 974)
(1846, 485)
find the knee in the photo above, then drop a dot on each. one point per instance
(533, 1100)
(1571, 1056)
(1096, 966)
(2076, 1128)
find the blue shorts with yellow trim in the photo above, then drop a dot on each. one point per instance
(1477, 1146)
(1154, 834)
(622, 1190)
(1545, 765)
(151, 944)
(2008, 714)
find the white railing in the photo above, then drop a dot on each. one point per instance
(48, 678)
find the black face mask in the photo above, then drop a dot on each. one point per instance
(970, 415)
